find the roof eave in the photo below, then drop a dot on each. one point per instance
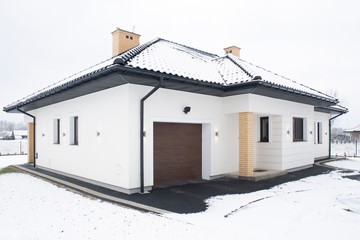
(136, 76)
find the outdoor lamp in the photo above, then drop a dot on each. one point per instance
(187, 109)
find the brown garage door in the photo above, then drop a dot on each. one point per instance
(177, 152)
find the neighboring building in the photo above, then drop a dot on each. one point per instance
(12, 135)
(7, 135)
(20, 134)
(163, 112)
(354, 132)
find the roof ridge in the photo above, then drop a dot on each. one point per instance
(124, 57)
(288, 79)
(218, 70)
(241, 67)
(195, 49)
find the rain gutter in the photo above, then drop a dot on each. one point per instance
(142, 133)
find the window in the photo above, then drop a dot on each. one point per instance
(264, 129)
(319, 133)
(56, 131)
(127, 36)
(74, 130)
(298, 129)
(314, 133)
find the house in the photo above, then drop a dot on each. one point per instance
(354, 133)
(162, 112)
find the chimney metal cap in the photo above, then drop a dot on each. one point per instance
(119, 61)
(257, 78)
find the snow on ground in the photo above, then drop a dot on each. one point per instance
(31, 208)
(320, 207)
(348, 163)
(12, 160)
(13, 146)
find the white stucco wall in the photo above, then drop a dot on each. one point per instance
(321, 150)
(220, 154)
(103, 158)
(280, 152)
(113, 157)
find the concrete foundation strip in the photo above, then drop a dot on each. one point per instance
(85, 190)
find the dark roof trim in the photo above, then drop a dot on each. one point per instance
(146, 77)
(333, 110)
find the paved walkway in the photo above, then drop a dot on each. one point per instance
(188, 198)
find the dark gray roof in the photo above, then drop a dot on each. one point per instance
(183, 68)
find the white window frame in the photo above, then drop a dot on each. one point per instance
(305, 136)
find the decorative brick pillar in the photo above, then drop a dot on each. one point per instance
(30, 143)
(246, 144)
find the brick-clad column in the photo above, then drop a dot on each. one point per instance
(246, 144)
(30, 143)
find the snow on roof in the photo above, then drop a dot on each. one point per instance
(88, 71)
(20, 132)
(167, 57)
(354, 129)
(172, 58)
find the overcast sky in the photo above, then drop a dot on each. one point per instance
(316, 43)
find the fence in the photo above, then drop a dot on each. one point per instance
(13, 147)
(345, 149)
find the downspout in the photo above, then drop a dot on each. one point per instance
(330, 132)
(142, 132)
(34, 142)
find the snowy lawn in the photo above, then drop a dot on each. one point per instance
(348, 163)
(320, 207)
(12, 160)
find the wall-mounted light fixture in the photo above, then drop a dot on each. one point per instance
(64, 134)
(325, 133)
(187, 109)
(43, 134)
(217, 133)
(311, 132)
(288, 132)
(98, 133)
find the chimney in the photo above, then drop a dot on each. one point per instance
(232, 50)
(123, 41)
